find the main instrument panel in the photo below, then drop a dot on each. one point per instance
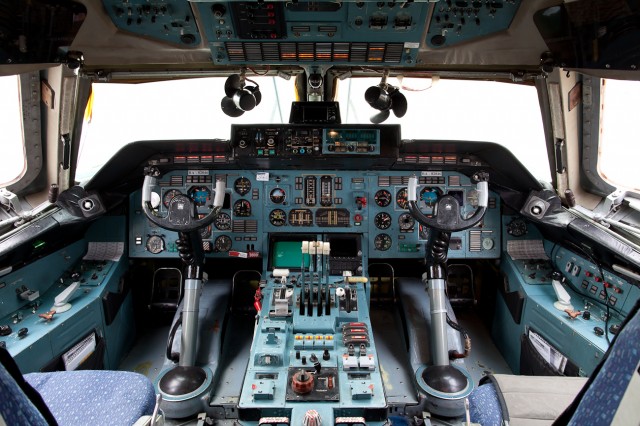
(370, 203)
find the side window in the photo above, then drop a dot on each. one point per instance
(619, 144)
(12, 160)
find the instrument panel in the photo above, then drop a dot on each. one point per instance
(370, 203)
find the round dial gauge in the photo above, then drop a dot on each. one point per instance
(155, 244)
(382, 220)
(430, 195)
(473, 197)
(222, 222)
(382, 198)
(517, 227)
(406, 222)
(277, 217)
(222, 244)
(277, 195)
(200, 195)
(242, 208)
(242, 185)
(168, 196)
(488, 243)
(401, 199)
(382, 242)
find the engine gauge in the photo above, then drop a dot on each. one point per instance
(401, 199)
(155, 244)
(277, 195)
(277, 217)
(382, 220)
(242, 208)
(222, 244)
(300, 217)
(406, 222)
(242, 185)
(168, 196)
(382, 198)
(222, 222)
(382, 242)
(200, 195)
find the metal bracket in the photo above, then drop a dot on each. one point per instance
(10, 201)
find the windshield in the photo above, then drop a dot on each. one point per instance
(13, 161)
(507, 114)
(119, 114)
(619, 147)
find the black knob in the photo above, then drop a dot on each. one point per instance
(325, 354)
(586, 315)
(304, 360)
(3, 345)
(614, 329)
(598, 331)
(556, 276)
(317, 366)
(297, 354)
(313, 358)
(23, 332)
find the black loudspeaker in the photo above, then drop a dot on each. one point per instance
(239, 98)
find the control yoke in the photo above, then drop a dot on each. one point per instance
(181, 215)
(446, 215)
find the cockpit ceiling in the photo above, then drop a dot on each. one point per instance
(411, 36)
(170, 34)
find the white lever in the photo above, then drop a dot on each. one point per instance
(61, 302)
(218, 200)
(564, 300)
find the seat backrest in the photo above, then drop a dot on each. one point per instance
(612, 395)
(20, 404)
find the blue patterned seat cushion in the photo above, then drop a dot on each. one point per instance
(484, 406)
(95, 397)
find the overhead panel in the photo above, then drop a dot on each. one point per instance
(280, 32)
(459, 21)
(169, 21)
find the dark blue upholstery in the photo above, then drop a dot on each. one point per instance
(15, 407)
(484, 406)
(95, 397)
(602, 399)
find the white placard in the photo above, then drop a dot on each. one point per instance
(198, 172)
(428, 173)
(104, 251)
(262, 177)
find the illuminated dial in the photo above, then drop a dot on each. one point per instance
(277, 195)
(168, 196)
(155, 244)
(242, 208)
(277, 217)
(382, 198)
(473, 197)
(222, 244)
(242, 185)
(382, 242)
(300, 217)
(401, 198)
(382, 220)
(200, 195)
(222, 222)
(406, 222)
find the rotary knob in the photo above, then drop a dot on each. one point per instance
(302, 382)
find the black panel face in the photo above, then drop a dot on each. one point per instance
(257, 20)
(34, 31)
(592, 34)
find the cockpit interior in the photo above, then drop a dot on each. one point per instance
(288, 212)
